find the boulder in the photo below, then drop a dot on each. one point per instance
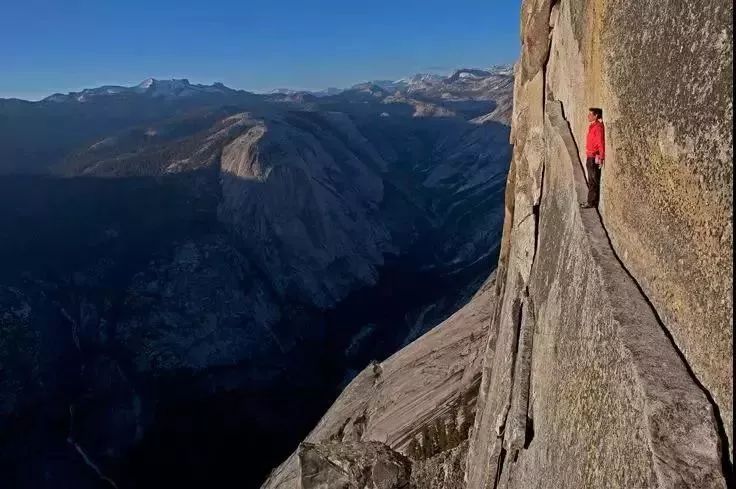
(367, 465)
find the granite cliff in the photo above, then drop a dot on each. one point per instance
(606, 358)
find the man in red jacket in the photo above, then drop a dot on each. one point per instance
(595, 153)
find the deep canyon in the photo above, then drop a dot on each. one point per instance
(192, 273)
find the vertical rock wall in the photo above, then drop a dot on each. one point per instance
(663, 74)
(609, 360)
(667, 193)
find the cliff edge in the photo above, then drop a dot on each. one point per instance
(612, 364)
(608, 357)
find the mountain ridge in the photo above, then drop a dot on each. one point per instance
(182, 86)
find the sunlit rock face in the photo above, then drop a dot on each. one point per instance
(306, 206)
(621, 382)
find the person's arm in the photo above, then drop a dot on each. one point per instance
(599, 144)
(603, 143)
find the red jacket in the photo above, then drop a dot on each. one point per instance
(595, 143)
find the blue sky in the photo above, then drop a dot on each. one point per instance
(67, 45)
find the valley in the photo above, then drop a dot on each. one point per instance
(197, 271)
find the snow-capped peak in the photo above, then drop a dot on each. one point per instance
(507, 70)
(149, 87)
(146, 84)
(163, 87)
(421, 78)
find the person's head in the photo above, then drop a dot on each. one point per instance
(595, 114)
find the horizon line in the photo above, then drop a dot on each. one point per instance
(37, 97)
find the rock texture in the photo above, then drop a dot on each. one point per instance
(610, 402)
(668, 202)
(597, 373)
(663, 75)
(357, 465)
(306, 205)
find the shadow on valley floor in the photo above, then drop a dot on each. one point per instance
(72, 249)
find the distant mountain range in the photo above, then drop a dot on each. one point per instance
(150, 87)
(183, 88)
(415, 81)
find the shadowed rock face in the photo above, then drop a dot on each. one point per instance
(191, 262)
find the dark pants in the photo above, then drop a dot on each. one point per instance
(594, 181)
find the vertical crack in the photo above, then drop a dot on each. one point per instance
(499, 470)
(516, 430)
(535, 212)
(516, 313)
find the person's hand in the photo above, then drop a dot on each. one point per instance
(599, 161)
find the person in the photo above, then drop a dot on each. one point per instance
(595, 154)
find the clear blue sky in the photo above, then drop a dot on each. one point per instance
(66, 45)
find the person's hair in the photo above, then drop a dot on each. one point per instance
(597, 112)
